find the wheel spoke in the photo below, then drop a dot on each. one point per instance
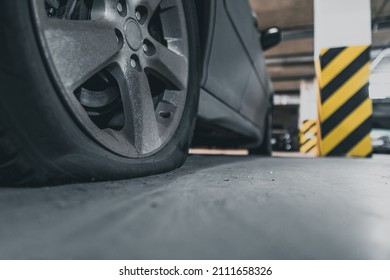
(96, 49)
(168, 65)
(103, 9)
(151, 5)
(141, 122)
(79, 49)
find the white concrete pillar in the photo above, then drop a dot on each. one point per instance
(308, 104)
(340, 23)
(343, 38)
(308, 118)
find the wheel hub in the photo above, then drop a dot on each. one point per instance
(133, 34)
(121, 67)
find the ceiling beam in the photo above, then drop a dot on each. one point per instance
(288, 35)
(308, 31)
(307, 59)
(292, 78)
(297, 59)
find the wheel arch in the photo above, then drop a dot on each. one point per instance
(205, 12)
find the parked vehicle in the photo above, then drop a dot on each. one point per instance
(381, 141)
(109, 89)
(381, 116)
(284, 139)
(281, 141)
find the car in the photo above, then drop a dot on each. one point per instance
(381, 141)
(381, 115)
(381, 126)
(96, 90)
(284, 140)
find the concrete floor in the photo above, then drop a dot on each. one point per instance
(212, 208)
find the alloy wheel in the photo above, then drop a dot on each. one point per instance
(121, 67)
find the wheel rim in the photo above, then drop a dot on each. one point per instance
(121, 66)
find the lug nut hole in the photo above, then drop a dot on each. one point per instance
(119, 37)
(122, 8)
(165, 115)
(141, 14)
(134, 62)
(148, 48)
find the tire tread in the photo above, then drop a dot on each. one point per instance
(40, 142)
(14, 167)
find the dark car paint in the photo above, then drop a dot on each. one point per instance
(382, 113)
(381, 140)
(236, 91)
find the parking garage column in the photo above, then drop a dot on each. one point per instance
(342, 54)
(308, 118)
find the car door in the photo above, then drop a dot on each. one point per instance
(255, 100)
(235, 61)
(228, 67)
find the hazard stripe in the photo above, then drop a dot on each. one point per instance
(306, 130)
(312, 130)
(344, 111)
(323, 52)
(304, 139)
(340, 63)
(331, 80)
(329, 55)
(309, 136)
(349, 143)
(345, 92)
(308, 146)
(312, 149)
(364, 147)
(334, 143)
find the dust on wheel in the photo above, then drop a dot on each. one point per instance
(121, 67)
(99, 89)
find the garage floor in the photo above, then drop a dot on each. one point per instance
(212, 208)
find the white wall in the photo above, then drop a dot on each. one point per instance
(340, 23)
(309, 108)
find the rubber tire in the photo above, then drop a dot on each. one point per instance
(40, 142)
(265, 149)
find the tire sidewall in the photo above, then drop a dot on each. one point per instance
(57, 147)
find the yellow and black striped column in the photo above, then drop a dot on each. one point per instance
(345, 109)
(309, 137)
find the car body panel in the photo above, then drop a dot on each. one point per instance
(382, 113)
(381, 140)
(229, 67)
(236, 91)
